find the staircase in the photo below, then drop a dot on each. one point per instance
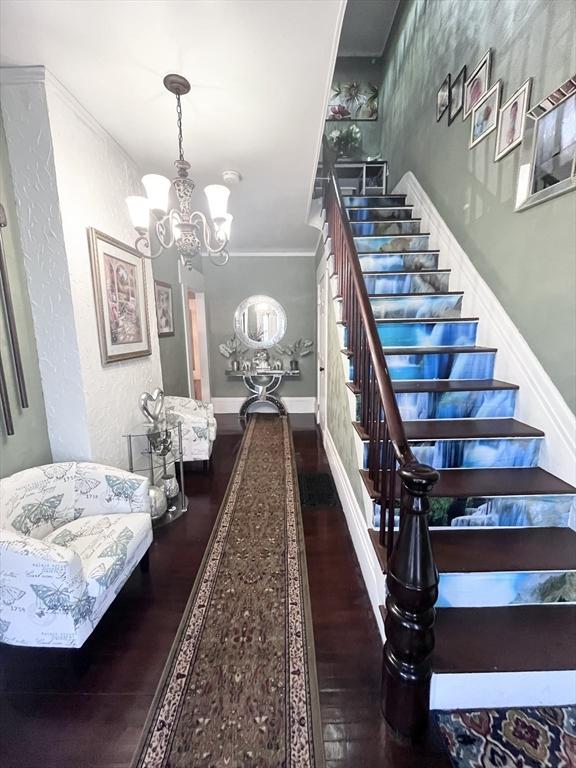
(501, 527)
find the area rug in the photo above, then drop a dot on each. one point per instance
(240, 686)
(542, 737)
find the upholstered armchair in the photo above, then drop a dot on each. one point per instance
(198, 426)
(70, 535)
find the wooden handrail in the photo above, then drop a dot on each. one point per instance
(412, 577)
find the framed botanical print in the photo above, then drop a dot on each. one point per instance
(164, 308)
(457, 95)
(477, 84)
(119, 281)
(485, 115)
(512, 120)
(443, 98)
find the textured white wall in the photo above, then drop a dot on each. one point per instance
(93, 175)
(25, 118)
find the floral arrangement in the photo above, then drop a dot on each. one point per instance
(300, 348)
(345, 140)
(232, 349)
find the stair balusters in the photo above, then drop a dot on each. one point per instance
(412, 579)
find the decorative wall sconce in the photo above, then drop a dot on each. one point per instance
(160, 227)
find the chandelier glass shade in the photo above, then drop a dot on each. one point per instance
(165, 217)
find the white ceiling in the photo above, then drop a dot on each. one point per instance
(367, 24)
(260, 73)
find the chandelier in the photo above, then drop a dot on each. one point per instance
(160, 227)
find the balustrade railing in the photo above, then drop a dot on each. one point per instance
(395, 473)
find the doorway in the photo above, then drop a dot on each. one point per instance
(196, 344)
(322, 326)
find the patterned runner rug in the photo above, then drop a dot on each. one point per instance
(539, 737)
(240, 688)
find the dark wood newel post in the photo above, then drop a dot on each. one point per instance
(412, 583)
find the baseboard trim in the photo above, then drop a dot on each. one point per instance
(540, 402)
(358, 529)
(293, 404)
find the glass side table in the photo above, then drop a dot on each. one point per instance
(155, 450)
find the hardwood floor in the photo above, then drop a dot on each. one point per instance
(86, 709)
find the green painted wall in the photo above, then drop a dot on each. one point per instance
(172, 348)
(291, 280)
(527, 258)
(29, 446)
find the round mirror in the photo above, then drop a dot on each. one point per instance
(260, 322)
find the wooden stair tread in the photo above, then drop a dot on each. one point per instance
(489, 550)
(413, 295)
(481, 483)
(398, 253)
(399, 234)
(451, 385)
(468, 428)
(518, 638)
(465, 429)
(436, 350)
(425, 320)
(409, 272)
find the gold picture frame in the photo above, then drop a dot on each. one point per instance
(120, 297)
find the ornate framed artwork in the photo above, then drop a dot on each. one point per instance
(485, 115)
(477, 84)
(443, 98)
(457, 95)
(512, 120)
(164, 308)
(119, 281)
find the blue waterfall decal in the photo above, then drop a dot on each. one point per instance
(457, 405)
(407, 283)
(459, 365)
(422, 334)
(417, 306)
(393, 244)
(379, 214)
(399, 262)
(406, 227)
(506, 588)
(374, 201)
(479, 454)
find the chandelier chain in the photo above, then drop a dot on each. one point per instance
(179, 121)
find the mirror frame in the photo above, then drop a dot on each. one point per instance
(282, 321)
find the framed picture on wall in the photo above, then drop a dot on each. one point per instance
(485, 115)
(512, 120)
(164, 308)
(443, 98)
(457, 95)
(353, 101)
(477, 84)
(119, 281)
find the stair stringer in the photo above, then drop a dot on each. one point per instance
(539, 402)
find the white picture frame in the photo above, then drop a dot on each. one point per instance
(477, 84)
(511, 125)
(485, 115)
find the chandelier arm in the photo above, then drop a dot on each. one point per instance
(207, 233)
(142, 245)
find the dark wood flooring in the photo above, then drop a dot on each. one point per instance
(86, 709)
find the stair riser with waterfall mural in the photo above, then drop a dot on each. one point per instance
(440, 375)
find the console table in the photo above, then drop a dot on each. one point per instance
(262, 383)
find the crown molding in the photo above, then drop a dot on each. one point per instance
(21, 75)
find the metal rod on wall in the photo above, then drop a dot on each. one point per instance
(6, 412)
(10, 321)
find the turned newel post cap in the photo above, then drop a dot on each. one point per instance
(417, 478)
